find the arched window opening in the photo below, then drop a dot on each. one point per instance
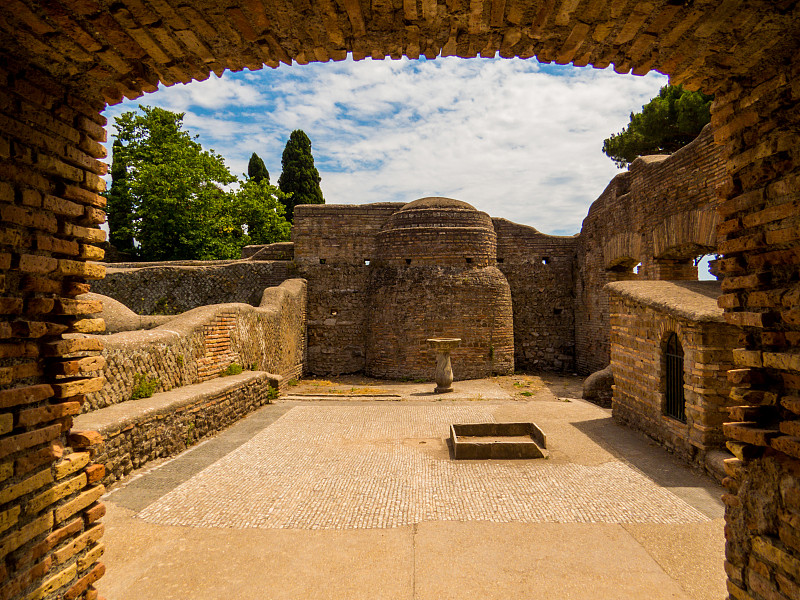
(675, 405)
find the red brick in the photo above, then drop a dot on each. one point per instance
(25, 395)
(15, 443)
(84, 582)
(85, 439)
(95, 473)
(94, 513)
(32, 460)
(750, 433)
(34, 416)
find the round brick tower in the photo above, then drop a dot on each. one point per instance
(434, 276)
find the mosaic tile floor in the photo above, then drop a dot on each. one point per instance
(343, 467)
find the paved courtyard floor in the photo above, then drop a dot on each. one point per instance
(347, 489)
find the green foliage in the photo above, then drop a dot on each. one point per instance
(256, 169)
(120, 204)
(299, 178)
(167, 202)
(668, 122)
(144, 386)
(272, 394)
(260, 206)
(177, 206)
(232, 369)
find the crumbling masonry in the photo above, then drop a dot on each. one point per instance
(62, 62)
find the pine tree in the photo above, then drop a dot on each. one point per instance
(257, 170)
(120, 203)
(668, 122)
(299, 176)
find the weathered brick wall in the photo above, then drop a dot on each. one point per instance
(435, 277)
(746, 53)
(50, 176)
(642, 316)
(661, 213)
(338, 234)
(757, 122)
(332, 245)
(355, 257)
(170, 288)
(410, 305)
(198, 345)
(276, 251)
(540, 271)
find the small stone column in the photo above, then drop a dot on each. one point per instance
(444, 370)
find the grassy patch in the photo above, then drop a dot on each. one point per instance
(232, 369)
(144, 386)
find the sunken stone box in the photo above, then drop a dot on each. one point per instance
(498, 441)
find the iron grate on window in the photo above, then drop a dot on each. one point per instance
(675, 406)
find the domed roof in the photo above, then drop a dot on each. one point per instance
(438, 202)
(437, 231)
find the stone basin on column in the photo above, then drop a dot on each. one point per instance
(444, 369)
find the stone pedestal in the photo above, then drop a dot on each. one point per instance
(444, 370)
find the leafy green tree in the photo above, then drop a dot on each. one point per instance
(178, 209)
(299, 178)
(260, 207)
(256, 169)
(120, 204)
(668, 122)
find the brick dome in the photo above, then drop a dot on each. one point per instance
(437, 231)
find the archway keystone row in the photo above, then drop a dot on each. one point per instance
(62, 61)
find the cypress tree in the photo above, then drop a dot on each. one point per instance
(120, 204)
(257, 170)
(299, 176)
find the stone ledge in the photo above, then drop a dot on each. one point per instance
(119, 416)
(693, 300)
(136, 432)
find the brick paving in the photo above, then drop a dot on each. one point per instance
(348, 467)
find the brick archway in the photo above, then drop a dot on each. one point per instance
(62, 61)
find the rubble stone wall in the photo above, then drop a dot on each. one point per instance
(172, 422)
(170, 288)
(200, 344)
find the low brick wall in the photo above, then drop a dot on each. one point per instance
(200, 344)
(140, 431)
(643, 314)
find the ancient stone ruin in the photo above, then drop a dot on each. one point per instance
(735, 192)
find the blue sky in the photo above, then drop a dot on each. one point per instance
(514, 138)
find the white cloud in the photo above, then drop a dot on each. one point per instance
(514, 138)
